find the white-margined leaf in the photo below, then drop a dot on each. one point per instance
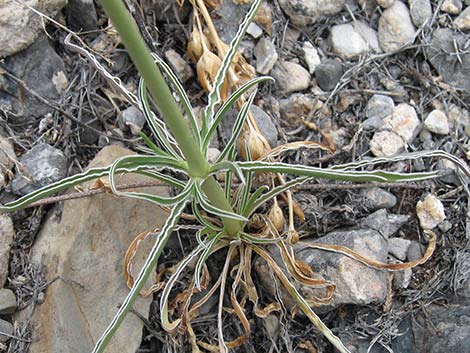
(228, 165)
(147, 269)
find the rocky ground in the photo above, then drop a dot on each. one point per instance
(372, 78)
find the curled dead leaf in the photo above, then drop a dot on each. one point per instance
(207, 68)
(196, 44)
(276, 216)
(254, 142)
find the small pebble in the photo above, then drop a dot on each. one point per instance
(463, 21)
(7, 301)
(437, 122)
(133, 119)
(398, 247)
(430, 212)
(266, 56)
(311, 57)
(453, 7)
(415, 251)
(379, 106)
(7, 328)
(378, 198)
(254, 30)
(395, 27)
(328, 74)
(290, 77)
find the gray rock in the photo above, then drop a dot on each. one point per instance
(404, 122)
(43, 71)
(7, 234)
(415, 251)
(395, 27)
(85, 246)
(41, 165)
(404, 340)
(254, 30)
(421, 11)
(386, 144)
(374, 123)
(82, 15)
(402, 279)
(227, 18)
(266, 56)
(7, 301)
(463, 21)
(377, 198)
(347, 42)
(430, 212)
(379, 106)
(290, 77)
(180, 66)
(307, 12)
(6, 328)
(442, 329)
(356, 283)
(398, 247)
(437, 122)
(132, 119)
(383, 222)
(19, 26)
(461, 277)
(453, 7)
(328, 74)
(439, 51)
(311, 57)
(265, 124)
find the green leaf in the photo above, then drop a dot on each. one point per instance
(228, 105)
(228, 165)
(209, 248)
(214, 95)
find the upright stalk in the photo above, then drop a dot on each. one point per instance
(160, 92)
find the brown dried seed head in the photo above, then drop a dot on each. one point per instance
(277, 217)
(196, 44)
(207, 68)
(255, 142)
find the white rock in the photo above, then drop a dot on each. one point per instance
(404, 122)
(19, 26)
(437, 122)
(266, 56)
(386, 144)
(307, 12)
(254, 30)
(385, 3)
(369, 34)
(453, 7)
(395, 27)
(290, 77)
(180, 66)
(311, 56)
(347, 42)
(463, 21)
(430, 212)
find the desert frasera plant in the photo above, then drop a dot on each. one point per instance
(180, 146)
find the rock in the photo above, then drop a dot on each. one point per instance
(383, 222)
(7, 234)
(404, 340)
(355, 282)
(453, 7)
(19, 26)
(133, 119)
(415, 251)
(297, 106)
(6, 330)
(266, 56)
(82, 15)
(437, 122)
(212, 154)
(385, 3)
(227, 18)
(398, 247)
(445, 226)
(379, 107)
(439, 51)
(395, 27)
(386, 144)
(290, 77)
(254, 30)
(463, 21)
(442, 329)
(311, 57)
(349, 41)
(404, 122)
(40, 166)
(369, 34)
(402, 279)
(461, 276)
(85, 246)
(307, 12)
(421, 11)
(7, 159)
(265, 124)
(459, 117)
(43, 71)
(430, 212)
(377, 198)
(451, 168)
(328, 74)
(7, 301)
(180, 66)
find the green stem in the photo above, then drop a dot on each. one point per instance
(142, 58)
